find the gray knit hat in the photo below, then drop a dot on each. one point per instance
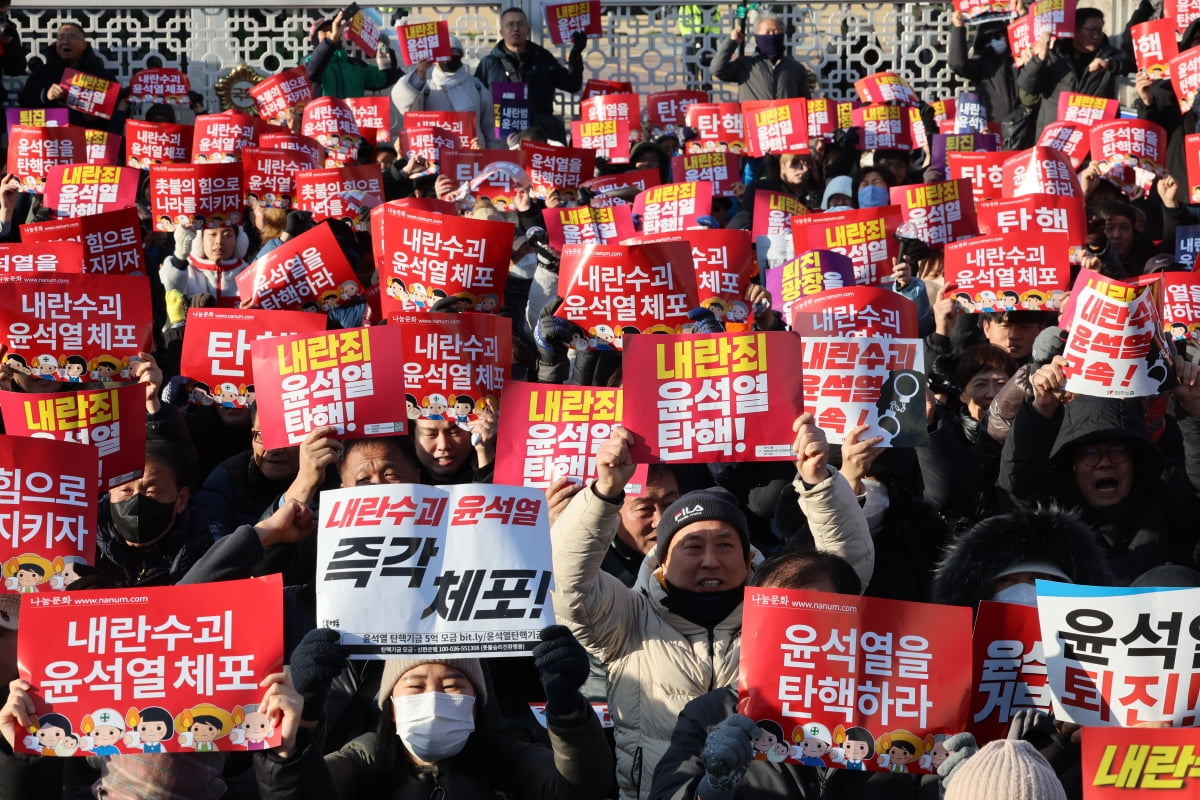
(393, 668)
(1006, 770)
(704, 504)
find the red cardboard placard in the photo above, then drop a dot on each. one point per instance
(556, 169)
(863, 234)
(984, 170)
(422, 255)
(375, 113)
(286, 140)
(1181, 304)
(49, 516)
(1047, 213)
(149, 143)
(89, 94)
(221, 137)
(704, 398)
(1040, 170)
(364, 32)
(721, 169)
(80, 190)
(113, 420)
(494, 174)
(185, 661)
(564, 20)
(1009, 668)
(855, 311)
(1185, 77)
(775, 126)
(33, 151)
(270, 175)
(885, 87)
(347, 193)
(611, 290)
(311, 380)
(306, 270)
(453, 362)
(422, 41)
(938, 212)
(1138, 763)
(724, 261)
(112, 241)
(772, 226)
(883, 127)
(666, 112)
(894, 681)
(623, 106)
(1154, 45)
(719, 126)
(1070, 138)
(46, 258)
(216, 350)
(1007, 273)
(673, 206)
(160, 85)
(587, 225)
(197, 195)
(1086, 109)
(608, 137)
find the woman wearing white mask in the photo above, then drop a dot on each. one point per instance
(440, 736)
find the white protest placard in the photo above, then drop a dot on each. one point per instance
(448, 571)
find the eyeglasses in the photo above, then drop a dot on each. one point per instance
(71, 37)
(256, 437)
(515, 25)
(1092, 456)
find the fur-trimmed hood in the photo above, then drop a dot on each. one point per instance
(1091, 420)
(971, 562)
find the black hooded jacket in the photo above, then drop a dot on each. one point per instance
(993, 73)
(33, 95)
(1154, 524)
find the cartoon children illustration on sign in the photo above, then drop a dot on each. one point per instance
(76, 368)
(53, 736)
(28, 573)
(464, 411)
(103, 728)
(199, 727)
(856, 746)
(434, 407)
(898, 749)
(935, 751)
(151, 728)
(255, 729)
(770, 745)
(813, 741)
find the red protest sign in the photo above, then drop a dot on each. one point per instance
(1131, 153)
(1040, 170)
(984, 170)
(564, 20)
(587, 225)
(1116, 346)
(374, 113)
(1138, 763)
(1070, 138)
(186, 661)
(937, 212)
(1185, 77)
(1182, 12)
(270, 175)
(666, 112)
(423, 41)
(1086, 109)
(149, 143)
(1006, 273)
(621, 107)
(89, 94)
(775, 126)
(62, 326)
(364, 32)
(866, 380)
(197, 195)
(811, 272)
(611, 290)
(724, 262)
(715, 398)
(161, 85)
(221, 137)
(463, 124)
(1009, 668)
(983, 10)
(719, 126)
(216, 350)
(47, 513)
(114, 420)
(883, 127)
(331, 122)
(494, 174)
(1021, 39)
(285, 140)
(613, 189)
(1045, 213)
(112, 241)
(33, 151)
(722, 170)
(551, 432)
(885, 87)
(847, 670)
(306, 270)
(1181, 304)
(556, 169)
(673, 206)
(863, 235)
(422, 255)
(1053, 17)
(26, 258)
(427, 144)
(103, 148)
(80, 190)
(608, 137)
(308, 381)
(822, 118)
(1154, 45)
(347, 193)
(771, 229)
(276, 94)
(430, 204)
(855, 311)
(454, 363)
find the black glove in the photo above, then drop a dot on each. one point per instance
(563, 667)
(578, 42)
(297, 223)
(705, 321)
(551, 336)
(446, 305)
(1032, 725)
(316, 661)
(727, 754)
(960, 746)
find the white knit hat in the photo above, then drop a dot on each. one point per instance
(1005, 770)
(394, 668)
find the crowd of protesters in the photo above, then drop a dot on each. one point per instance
(1019, 480)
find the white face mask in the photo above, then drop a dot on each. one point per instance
(433, 725)
(525, 266)
(1022, 594)
(999, 45)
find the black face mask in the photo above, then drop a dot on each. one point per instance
(453, 65)
(141, 519)
(706, 609)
